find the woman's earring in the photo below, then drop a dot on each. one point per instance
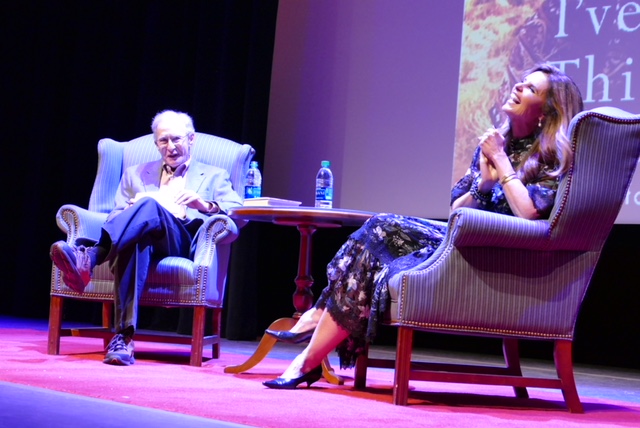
(540, 122)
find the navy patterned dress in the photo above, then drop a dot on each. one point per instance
(357, 294)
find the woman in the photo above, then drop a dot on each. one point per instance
(515, 171)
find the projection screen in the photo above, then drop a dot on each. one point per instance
(594, 41)
(395, 92)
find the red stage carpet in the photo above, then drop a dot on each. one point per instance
(161, 380)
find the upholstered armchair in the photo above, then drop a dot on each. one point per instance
(509, 278)
(172, 281)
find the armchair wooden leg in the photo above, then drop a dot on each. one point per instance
(563, 356)
(197, 336)
(511, 352)
(107, 320)
(403, 366)
(217, 330)
(55, 323)
(360, 375)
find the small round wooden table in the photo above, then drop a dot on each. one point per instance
(307, 220)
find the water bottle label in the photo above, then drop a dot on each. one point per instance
(251, 192)
(324, 194)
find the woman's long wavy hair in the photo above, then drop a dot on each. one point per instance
(551, 154)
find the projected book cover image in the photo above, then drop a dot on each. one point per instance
(593, 41)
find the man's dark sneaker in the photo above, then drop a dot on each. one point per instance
(120, 351)
(75, 263)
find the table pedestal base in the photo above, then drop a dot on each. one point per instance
(266, 345)
(306, 220)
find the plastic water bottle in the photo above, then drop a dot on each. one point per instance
(324, 186)
(253, 182)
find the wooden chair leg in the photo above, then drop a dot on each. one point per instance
(403, 366)
(107, 320)
(197, 335)
(563, 357)
(360, 375)
(511, 352)
(217, 330)
(55, 323)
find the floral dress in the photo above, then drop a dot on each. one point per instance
(357, 295)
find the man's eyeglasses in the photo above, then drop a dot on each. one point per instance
(164, 141)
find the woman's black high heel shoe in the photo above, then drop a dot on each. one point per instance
(288, 337)
(282, 383)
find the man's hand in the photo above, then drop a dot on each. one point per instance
(191, 199)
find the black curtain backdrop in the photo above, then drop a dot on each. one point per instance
(78, 71)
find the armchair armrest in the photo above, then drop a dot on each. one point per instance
(218, 229)
(472, 228)
(79, 222)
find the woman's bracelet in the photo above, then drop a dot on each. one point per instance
(481, 198)
(507, 178)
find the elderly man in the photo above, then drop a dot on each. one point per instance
(159, 208)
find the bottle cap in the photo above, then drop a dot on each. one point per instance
(325, 164)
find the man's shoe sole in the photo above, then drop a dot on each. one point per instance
(117, 361)
(70, 274)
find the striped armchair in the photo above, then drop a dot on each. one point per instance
(172, 281)
(505, 277)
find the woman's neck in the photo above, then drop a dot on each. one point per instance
(519, 131)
